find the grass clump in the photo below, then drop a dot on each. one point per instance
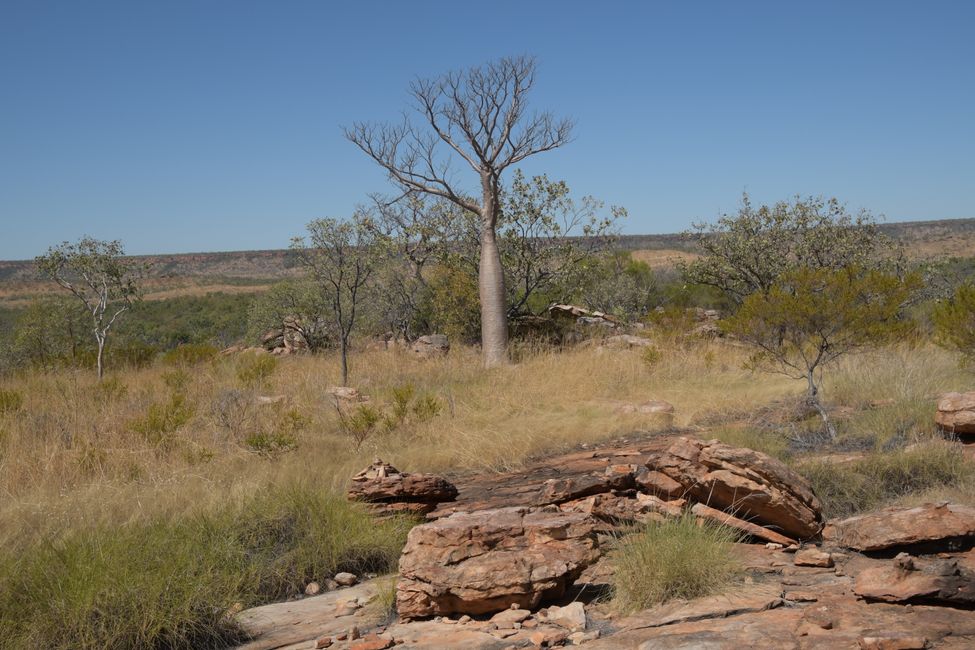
(880, 478)
(679, 558)
(190, 354)
(10, 401)
(253, 370)
(169, 583)
(162, 419)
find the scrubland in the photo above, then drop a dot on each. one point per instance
(140, 510)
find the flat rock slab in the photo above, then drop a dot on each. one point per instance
(893, 528)
(300, 622)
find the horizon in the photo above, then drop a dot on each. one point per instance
(187, 129)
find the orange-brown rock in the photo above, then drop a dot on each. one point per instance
(486, 561)
(908, 579)
(942, 523)
(956, 413)
(746, 527)
(747, 483)
(615, 477)
(395, 492)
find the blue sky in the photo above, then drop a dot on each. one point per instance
(215, 125)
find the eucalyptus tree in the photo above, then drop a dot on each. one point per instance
(99, 275)
(480, 118)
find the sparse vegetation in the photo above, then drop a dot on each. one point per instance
(679, 558)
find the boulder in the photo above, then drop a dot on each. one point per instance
(956, 413)
(942, 524)
(616, 477)
(487, 561)
(908, 579)
(391, 491)
(747, 483)
(431, 345)
(345, 394)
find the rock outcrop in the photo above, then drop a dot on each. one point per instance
(943, 524)
(390, 491)
(482, 562)
(746, 483)
(956, 413)
(907, 579)
(431, 346)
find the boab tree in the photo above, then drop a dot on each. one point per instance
(98, 274)
(810, 317)
(480, 116)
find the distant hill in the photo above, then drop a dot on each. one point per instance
(923, 240)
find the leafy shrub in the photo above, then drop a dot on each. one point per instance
(176, 380)
(169, 583)
(848, 488)
(255, 369)
(426, 408)
(360, 423)
(111, 388)
(232, 410)
(10, 401)
(679, 558)
(190, 354)
(162, 419)
(132, 354)
(271, 443)
(954, 321)
(651, 355)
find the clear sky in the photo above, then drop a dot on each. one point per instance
(207, 125)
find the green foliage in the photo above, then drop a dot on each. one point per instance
(162, 419)
(849, 488)
(360, 423)
(954, 321)
(169, 583)
(213, 319)
(620, 285)
(132, 354)
(676, 559)
(298, 299)
(811, 317)
(651, 355)
(10, 401)
(111, 389)
(177, 380)
(255, 369)
(426, 407)
(271, 443)
(452, 305)
(750, 251)
(190, 354)
(51, 332)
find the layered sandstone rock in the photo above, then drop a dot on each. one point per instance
(393, 492)
(904, 527)
(482, 562)
(430, 346)
(747, 483)
(907, 579)
(956, 413)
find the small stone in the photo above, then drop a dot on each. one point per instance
(323, 642)
(372, 642)
(773, 546)
(572, 616)
(548, 637)
(813, 557)
(893, 643)
(353, 633)
(330, 585)
(342, 636)
(464, 619)
(346, 579)
(513, 615)
(578, 638)
(312, 589)
(345, 609)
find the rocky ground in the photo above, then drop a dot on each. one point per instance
(516, 560)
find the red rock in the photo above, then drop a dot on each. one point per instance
(750, 484)
(893, 643)
(908, 579)
(615, 477)
(657, 483)
(812, 557)
(482, 562)
(372, 642)
(898, 526)
(746, 527)
(323, 642)
(399, 492)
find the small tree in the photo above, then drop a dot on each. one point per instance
(954, 321)
(299, 299)
(98, 274)
(341, 258)
(811, 317)
(748, 252)
(479, 116)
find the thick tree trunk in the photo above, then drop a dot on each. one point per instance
(494, 320)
